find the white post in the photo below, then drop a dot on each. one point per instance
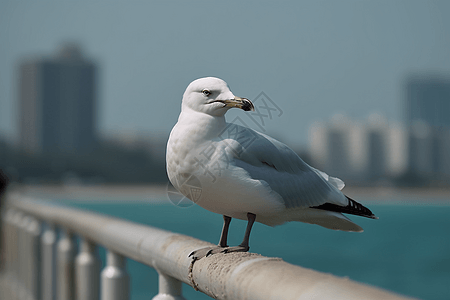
(24, 257)
(48, 243)
(33, 231)
(14, 255)
(169, 288)
(87, 272)
(65, 276)
(4, 236)
(8, 240)
(8, 246)
(115, 280)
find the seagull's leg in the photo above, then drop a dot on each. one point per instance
(224, 235)
(197, 254)
(243, 247)
(251, 219)
(222, 247)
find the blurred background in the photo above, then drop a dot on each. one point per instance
(89, 91)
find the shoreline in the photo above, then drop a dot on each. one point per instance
(154, 193)
(158, 193)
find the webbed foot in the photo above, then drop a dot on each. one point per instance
(205, 252)
(235, 249)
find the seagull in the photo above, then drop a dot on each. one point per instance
(240, 173)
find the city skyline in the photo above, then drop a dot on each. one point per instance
(58, 118)
(312, 59)
(377, 151)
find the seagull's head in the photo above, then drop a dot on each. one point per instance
(212, 96)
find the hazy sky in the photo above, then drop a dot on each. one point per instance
(312, 58)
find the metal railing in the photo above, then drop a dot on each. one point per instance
(39, 265)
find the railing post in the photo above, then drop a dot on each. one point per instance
(24, 257)
(14, 264)
(169, 288)
(8, 247)
(5, 236)
(48, 281)
(115, 280)
(8, 240)
(65, 274)
(87, 272)
(33, 231)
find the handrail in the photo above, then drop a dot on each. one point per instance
(221, 276)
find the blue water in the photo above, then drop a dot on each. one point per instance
(406, 251)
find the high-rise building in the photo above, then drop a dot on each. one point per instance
(377, 146)
(359, 150)
(420, 149)
(441, 154)
(428, 120)
(397, 149)
(428, 100)
(335, 147)
(58, 103)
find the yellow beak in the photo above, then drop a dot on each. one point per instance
(242, 103)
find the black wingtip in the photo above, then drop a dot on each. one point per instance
(353, 208)
(361, 208)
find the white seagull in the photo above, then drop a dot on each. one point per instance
(240, 173)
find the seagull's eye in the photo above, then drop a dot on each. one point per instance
(206, 92)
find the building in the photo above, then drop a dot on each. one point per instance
(338, 147)
(363, 152)
(428, 100)
(428, 120)
(377, 133)
(2, 150)
(441, 152)
(397, 150)
(420, 149)
(58, 101)
(152, 143)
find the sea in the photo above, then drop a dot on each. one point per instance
(406, 251)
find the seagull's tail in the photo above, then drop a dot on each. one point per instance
(333, 220)
(328, 219)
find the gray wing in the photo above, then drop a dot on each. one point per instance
(283, 171)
